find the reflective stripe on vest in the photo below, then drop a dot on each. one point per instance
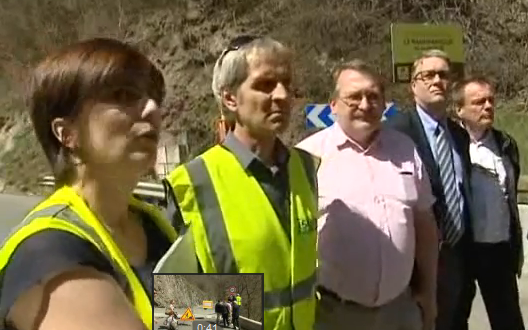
(66, 211)
(218, 238)
(287, 297)
(310, 164)
(214, 223)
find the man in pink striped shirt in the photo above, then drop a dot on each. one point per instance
(376, 224)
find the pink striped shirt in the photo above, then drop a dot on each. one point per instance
(367, 199)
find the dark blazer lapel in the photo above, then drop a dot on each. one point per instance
(461, 141)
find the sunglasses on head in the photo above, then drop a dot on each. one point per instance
(236, 43)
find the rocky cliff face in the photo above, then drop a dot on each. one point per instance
(184, 37)
(177, 287)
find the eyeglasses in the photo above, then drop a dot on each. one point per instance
(352, 101)
(429, 75)
(236, 43)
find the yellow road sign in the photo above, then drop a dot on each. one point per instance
(409, 41)
(207, 304)
(188, 315)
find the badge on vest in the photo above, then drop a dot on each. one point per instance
(306, 226)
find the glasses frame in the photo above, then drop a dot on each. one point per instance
(447, 75)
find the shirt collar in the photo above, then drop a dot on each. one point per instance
(429, 122)
(245, 156)
(484, 139)
(341, 140)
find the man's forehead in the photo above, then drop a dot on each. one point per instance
(430, 63)
(268, 65)
(475, 88)
(351, 80)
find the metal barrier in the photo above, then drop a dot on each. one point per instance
(143, 189)
(249, 324)
(522, 190)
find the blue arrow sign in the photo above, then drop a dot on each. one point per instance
(390, 110)
(318, 115)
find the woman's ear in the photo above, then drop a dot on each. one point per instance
(64, 132)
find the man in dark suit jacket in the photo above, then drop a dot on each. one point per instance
(497, 253)
(444, 148)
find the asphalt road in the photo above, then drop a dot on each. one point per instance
(13, 208)
(199, 313)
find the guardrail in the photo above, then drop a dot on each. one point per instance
(249, 324)
(156, 191)
(143, 189)
(522, 190)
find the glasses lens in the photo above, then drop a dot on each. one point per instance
(430, 75)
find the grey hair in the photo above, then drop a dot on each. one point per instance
(230, 70)
(428, 54)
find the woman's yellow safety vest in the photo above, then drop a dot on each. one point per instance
(236, 230)
(65, 210)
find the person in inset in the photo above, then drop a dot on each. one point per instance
(497, 253)
(229, 310)
(170, 312)
(219, 311)
(376, 218)
(225, 313)
(236, 314)
(239, 299)
(95, 109)
(444, 149)
(250, 203)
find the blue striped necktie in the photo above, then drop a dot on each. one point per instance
(452, 220)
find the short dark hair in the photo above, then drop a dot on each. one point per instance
(458, 95)
(358, 66)
(65, 79)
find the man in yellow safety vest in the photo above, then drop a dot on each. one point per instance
(249, 204)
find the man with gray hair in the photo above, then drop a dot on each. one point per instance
(497, 251)
(250, 202)
(444, 148)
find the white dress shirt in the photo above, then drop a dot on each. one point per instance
(491, 178)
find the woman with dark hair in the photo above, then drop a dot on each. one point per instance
(83, 258)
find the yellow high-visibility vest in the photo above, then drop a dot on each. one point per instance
(236, 230)
(65, 210)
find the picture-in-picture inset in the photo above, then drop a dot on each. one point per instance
(208, 301)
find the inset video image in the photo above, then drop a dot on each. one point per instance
(208, 301)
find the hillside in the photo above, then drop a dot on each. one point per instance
(185, 36)
(185, 293)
